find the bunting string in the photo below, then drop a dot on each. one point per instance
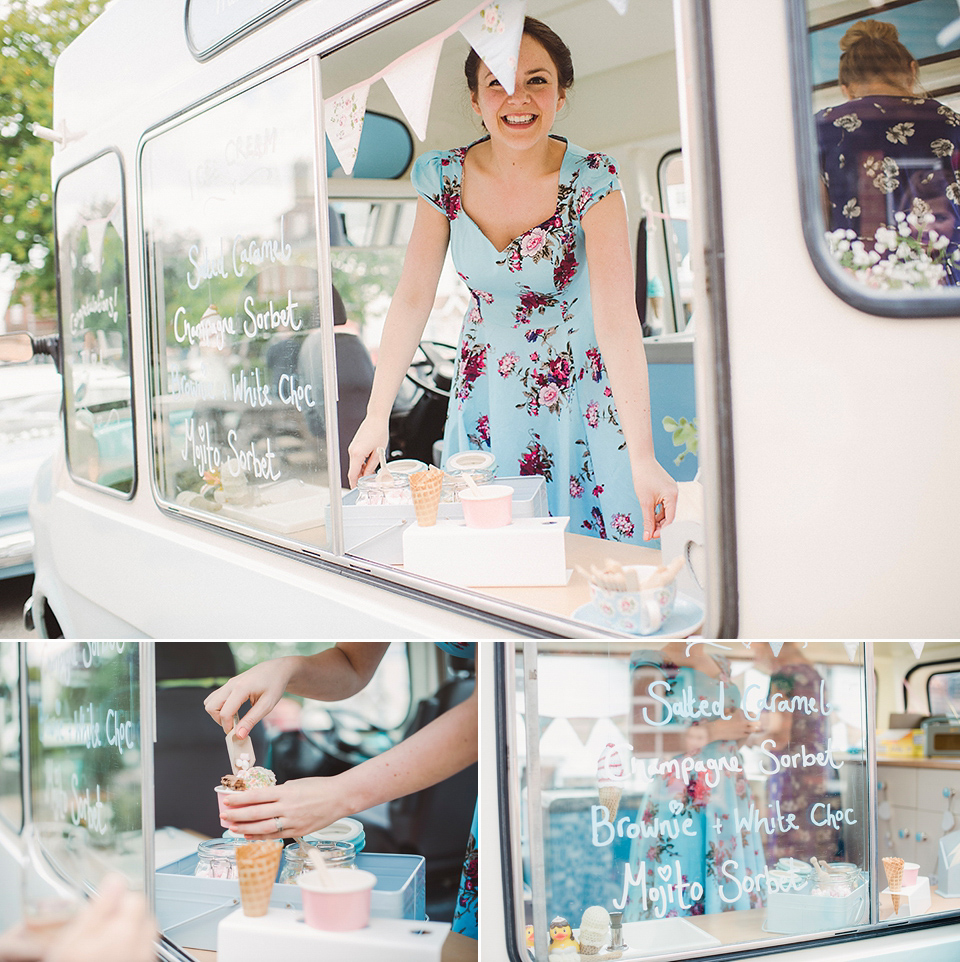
(494, 30)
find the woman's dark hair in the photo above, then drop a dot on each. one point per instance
(872, 49)
(558, 50)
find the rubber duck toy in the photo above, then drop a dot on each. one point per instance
(529, 936)
(563, 946)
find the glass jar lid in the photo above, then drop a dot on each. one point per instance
(220, 847)
(336, 854)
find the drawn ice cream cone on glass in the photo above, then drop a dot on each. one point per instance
(610, 776)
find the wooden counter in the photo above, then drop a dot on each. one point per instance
(457, 948)
(941, 763)
(732, 928)
(583, 551)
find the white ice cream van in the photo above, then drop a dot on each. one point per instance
(232, 181)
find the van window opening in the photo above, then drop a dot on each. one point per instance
(614, 773)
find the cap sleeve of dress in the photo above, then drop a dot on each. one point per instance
(436, 178)
(598, 177)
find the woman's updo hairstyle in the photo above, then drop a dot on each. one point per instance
(558, 50)
(872, 49)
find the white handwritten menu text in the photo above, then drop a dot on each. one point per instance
(85, 756)
(230, 212)
(721, 801)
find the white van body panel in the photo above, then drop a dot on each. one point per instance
(847, 515)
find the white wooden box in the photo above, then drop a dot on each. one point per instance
(529, 552)
(282, 934)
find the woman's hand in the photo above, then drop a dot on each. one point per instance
(303, 805)
(263, 686)
(735, 729)
(372, 434)
(115, 927)
(19, 944)
(657, 493)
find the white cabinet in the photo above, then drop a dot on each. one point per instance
(917, 805)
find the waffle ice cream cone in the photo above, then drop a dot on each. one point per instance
(610, 798)
(594, 929)
(426, 488)
(610, 776)
(893, 867)
(257, 864)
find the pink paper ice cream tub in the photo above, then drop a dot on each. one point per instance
(343, 905)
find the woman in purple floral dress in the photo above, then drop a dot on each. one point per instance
(551, 375)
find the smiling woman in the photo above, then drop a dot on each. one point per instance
(537, 230)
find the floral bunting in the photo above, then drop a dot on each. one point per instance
(917, 647)
(775, 647)
(620, 6)
(344, 124)
(493, 30)
(410, 80)
(495, 33)
(852, 647)
(96, 231)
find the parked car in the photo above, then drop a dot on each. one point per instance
(30, 397)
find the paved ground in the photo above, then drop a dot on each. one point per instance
(13, 593)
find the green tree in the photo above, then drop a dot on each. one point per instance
(32, 36)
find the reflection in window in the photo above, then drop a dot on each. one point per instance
(686, 786)
(888, 144)
(230, 219)
(674, 198)
(11, 803)
(943, 691)
(91, 257)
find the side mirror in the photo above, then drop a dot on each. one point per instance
(20, 347)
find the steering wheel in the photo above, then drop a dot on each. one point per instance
(434, 369)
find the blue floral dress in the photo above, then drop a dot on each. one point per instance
(883, 155)
(530, 384)
(465, 916)
(721, 852)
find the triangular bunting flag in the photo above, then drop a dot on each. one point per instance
(917, 647)
(851, 647)
(619, 5)
(96, 229)
(344, 124)
(775, 647)
(495, 33)
(410, 80)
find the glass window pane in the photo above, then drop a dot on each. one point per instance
(91, 257)
(229, 202)
(86, 771)
(684, 788)
(887, 143)
(11, 800)
(383, 703)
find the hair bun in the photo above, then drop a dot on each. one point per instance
(876, 30)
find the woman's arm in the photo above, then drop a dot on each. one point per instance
(402, 330)
(620, 338)
(330, 675)
(441, 749)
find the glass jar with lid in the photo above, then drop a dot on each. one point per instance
(373, 489)
(838, 881)
(455, 481)
(296, 859)
(217, 858)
